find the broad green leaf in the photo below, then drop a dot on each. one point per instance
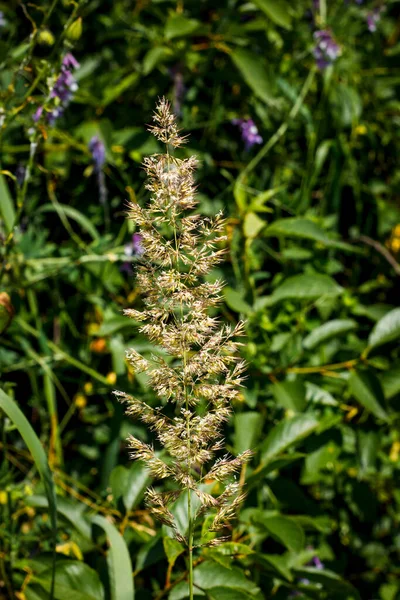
(390, 381)
(112, 92)
(181, 592)
(254, 73)
(248, 427)
(366, 388)
(318, 461)
(285, 530)
(154, 57)
(179, 26)
(317, 394)
(290, 394)
(74, 214)
(235, 301)
(70, 510)
(172, 549)
(386, 330)
(39, 457)
(7, 212)
(329, 581)
(328, 330)
(74, 581)
(278, 12)
(304, 287)
(252, 225)
(129, 484)
(209, 575)
(119, 561)
(288, 433)
(298, 227)
(278, 562)
(368, 444)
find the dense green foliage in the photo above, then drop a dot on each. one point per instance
(313, 233)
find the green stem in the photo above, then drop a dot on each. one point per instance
(190, 542)
(189, 499)
(280, 132)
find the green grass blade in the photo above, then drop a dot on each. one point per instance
(119, 562)
(39, 456)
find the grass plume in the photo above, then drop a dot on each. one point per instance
(205, 372)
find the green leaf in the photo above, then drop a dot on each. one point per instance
(119, 561)
(285, 530)
(74, 214)
(279, 563)
(112, 92)
(290, 394)
(366, 388)
(70, 510)
(390, 381)
(304, 228)
(254, 73)
(154, 57)
(304, 287)
(386, 330)
(248, 427)
(328, 330)
(179, 26)
(209, 575)
(74, 581)
(38, 454)
(287, 433)
(252, 225)
(234, 300)
(129, 484)
(172, 549)
(278, 12)
(329, 581)
(7, 211)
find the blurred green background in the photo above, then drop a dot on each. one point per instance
(293, 110)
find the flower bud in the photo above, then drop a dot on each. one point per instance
(45, 38)
(74, 31)
(6, 311)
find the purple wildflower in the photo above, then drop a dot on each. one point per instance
(250, 134)
(373, 18)
(70, 62)
(317, 563)
(179, 89)
(98, 151)
(133, 249)
(63, 90)
(326, 49)
(38, 114)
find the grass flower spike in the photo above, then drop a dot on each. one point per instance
(203, 373)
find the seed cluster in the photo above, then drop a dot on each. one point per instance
(204, 373)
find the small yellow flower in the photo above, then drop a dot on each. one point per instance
(3, 497)
(360, 130)
(88, 387)
(394, 452)
(80, 401)
(111, 377)
(395, 244)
